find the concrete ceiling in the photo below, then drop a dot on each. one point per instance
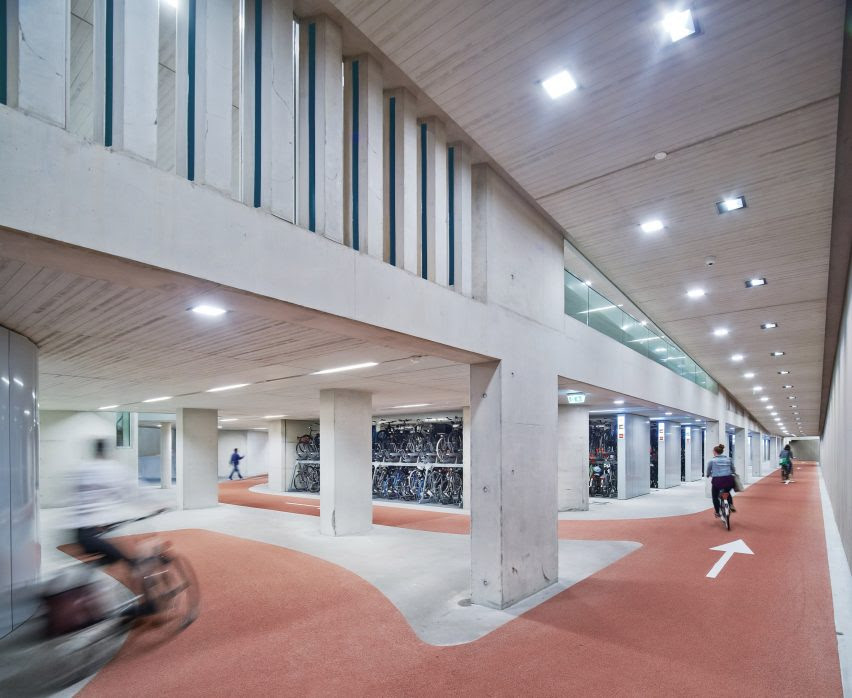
(114, 333)
(746, 107)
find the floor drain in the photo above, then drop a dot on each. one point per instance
(465, 602)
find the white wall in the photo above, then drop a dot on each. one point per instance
(66, 438)
(252, 444)
(805, 449)
(634, 460)
(836, 439)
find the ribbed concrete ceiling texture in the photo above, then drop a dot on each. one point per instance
(748, 106)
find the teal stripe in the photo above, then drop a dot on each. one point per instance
(258, 55)
(424, 266)
(108, 71)
(4, 50)
(355, 105)
(392, 177)
(190, 101)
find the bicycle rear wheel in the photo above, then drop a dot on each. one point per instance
(172, 588)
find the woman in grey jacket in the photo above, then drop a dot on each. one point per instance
(721, 470)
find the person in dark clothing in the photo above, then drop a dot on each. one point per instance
(235, 464)
(785, 460)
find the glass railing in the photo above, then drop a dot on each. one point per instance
(588, 306)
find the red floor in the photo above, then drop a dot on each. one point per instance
(278, 622)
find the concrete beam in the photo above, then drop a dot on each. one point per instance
(400, 178)
(363, 160)
(321, 128)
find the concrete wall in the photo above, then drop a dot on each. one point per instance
(149, 441)
(518, 266)
(251, 443)
(836, 441)
(66, 439)
(805, 449)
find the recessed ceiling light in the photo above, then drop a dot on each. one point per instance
(783, 373)
(618, 402)
(227, 387)
(158, 399)
(733, 203)
(786, 386)
(404, 407)
(776, 353)
(721, 332)
(587, 282)
(696, 293)
(793, 405)
(209, 310)
(652, 226)
(643, 323)
(668, 414)
(795, 413)
(560, 84)
(791, 397)
(737, 357)
(662, 155)
(774, 414)
(770, 407)
(757, 388)
(108, 407)
(750, 374)
(229, 419)
(339, 369)
(274, 416)
(769, 325)
(757, 281)
(764, 399)
(679, 25)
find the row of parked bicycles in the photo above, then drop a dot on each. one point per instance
(413, 461)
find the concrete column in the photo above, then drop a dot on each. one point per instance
(135, 57)
(513, 501)
(433, 252)
(321, 127)
(38, 57)
(687, 454)
(573, 455)
(459, 217)
(346, 497)
(363, 133)
(278, 110)
(634, 465)
(466, 458)
(166, 455)
(697, 454)
(400, 178)
(740, 455)
(668, 469)
(275, 456)
(213, 93)
(197, 456)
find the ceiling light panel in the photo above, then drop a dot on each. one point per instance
(721, 332)
(696, 293)
(652, 226)
(769, 325)
(679, 25)
(339, 369)
(560, 84)
(208, 310)
(755, 282)
(734, 203)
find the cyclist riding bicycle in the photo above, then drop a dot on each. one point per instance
(721, 470)
(785, 460)
(104, 490)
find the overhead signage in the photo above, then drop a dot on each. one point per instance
(621, 426)
(576, 398)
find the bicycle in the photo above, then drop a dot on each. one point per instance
(725, 508)
(83, 617)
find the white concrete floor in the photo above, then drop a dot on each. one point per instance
(425, 575)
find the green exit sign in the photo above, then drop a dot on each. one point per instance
(576, 398)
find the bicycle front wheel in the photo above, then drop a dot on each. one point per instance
(173, 591)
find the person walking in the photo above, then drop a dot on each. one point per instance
(785, 460)
(235, 464)
(721, 471)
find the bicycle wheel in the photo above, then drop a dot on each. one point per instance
(172, 588)
(726, 513)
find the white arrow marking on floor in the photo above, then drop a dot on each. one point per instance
(737, 546)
